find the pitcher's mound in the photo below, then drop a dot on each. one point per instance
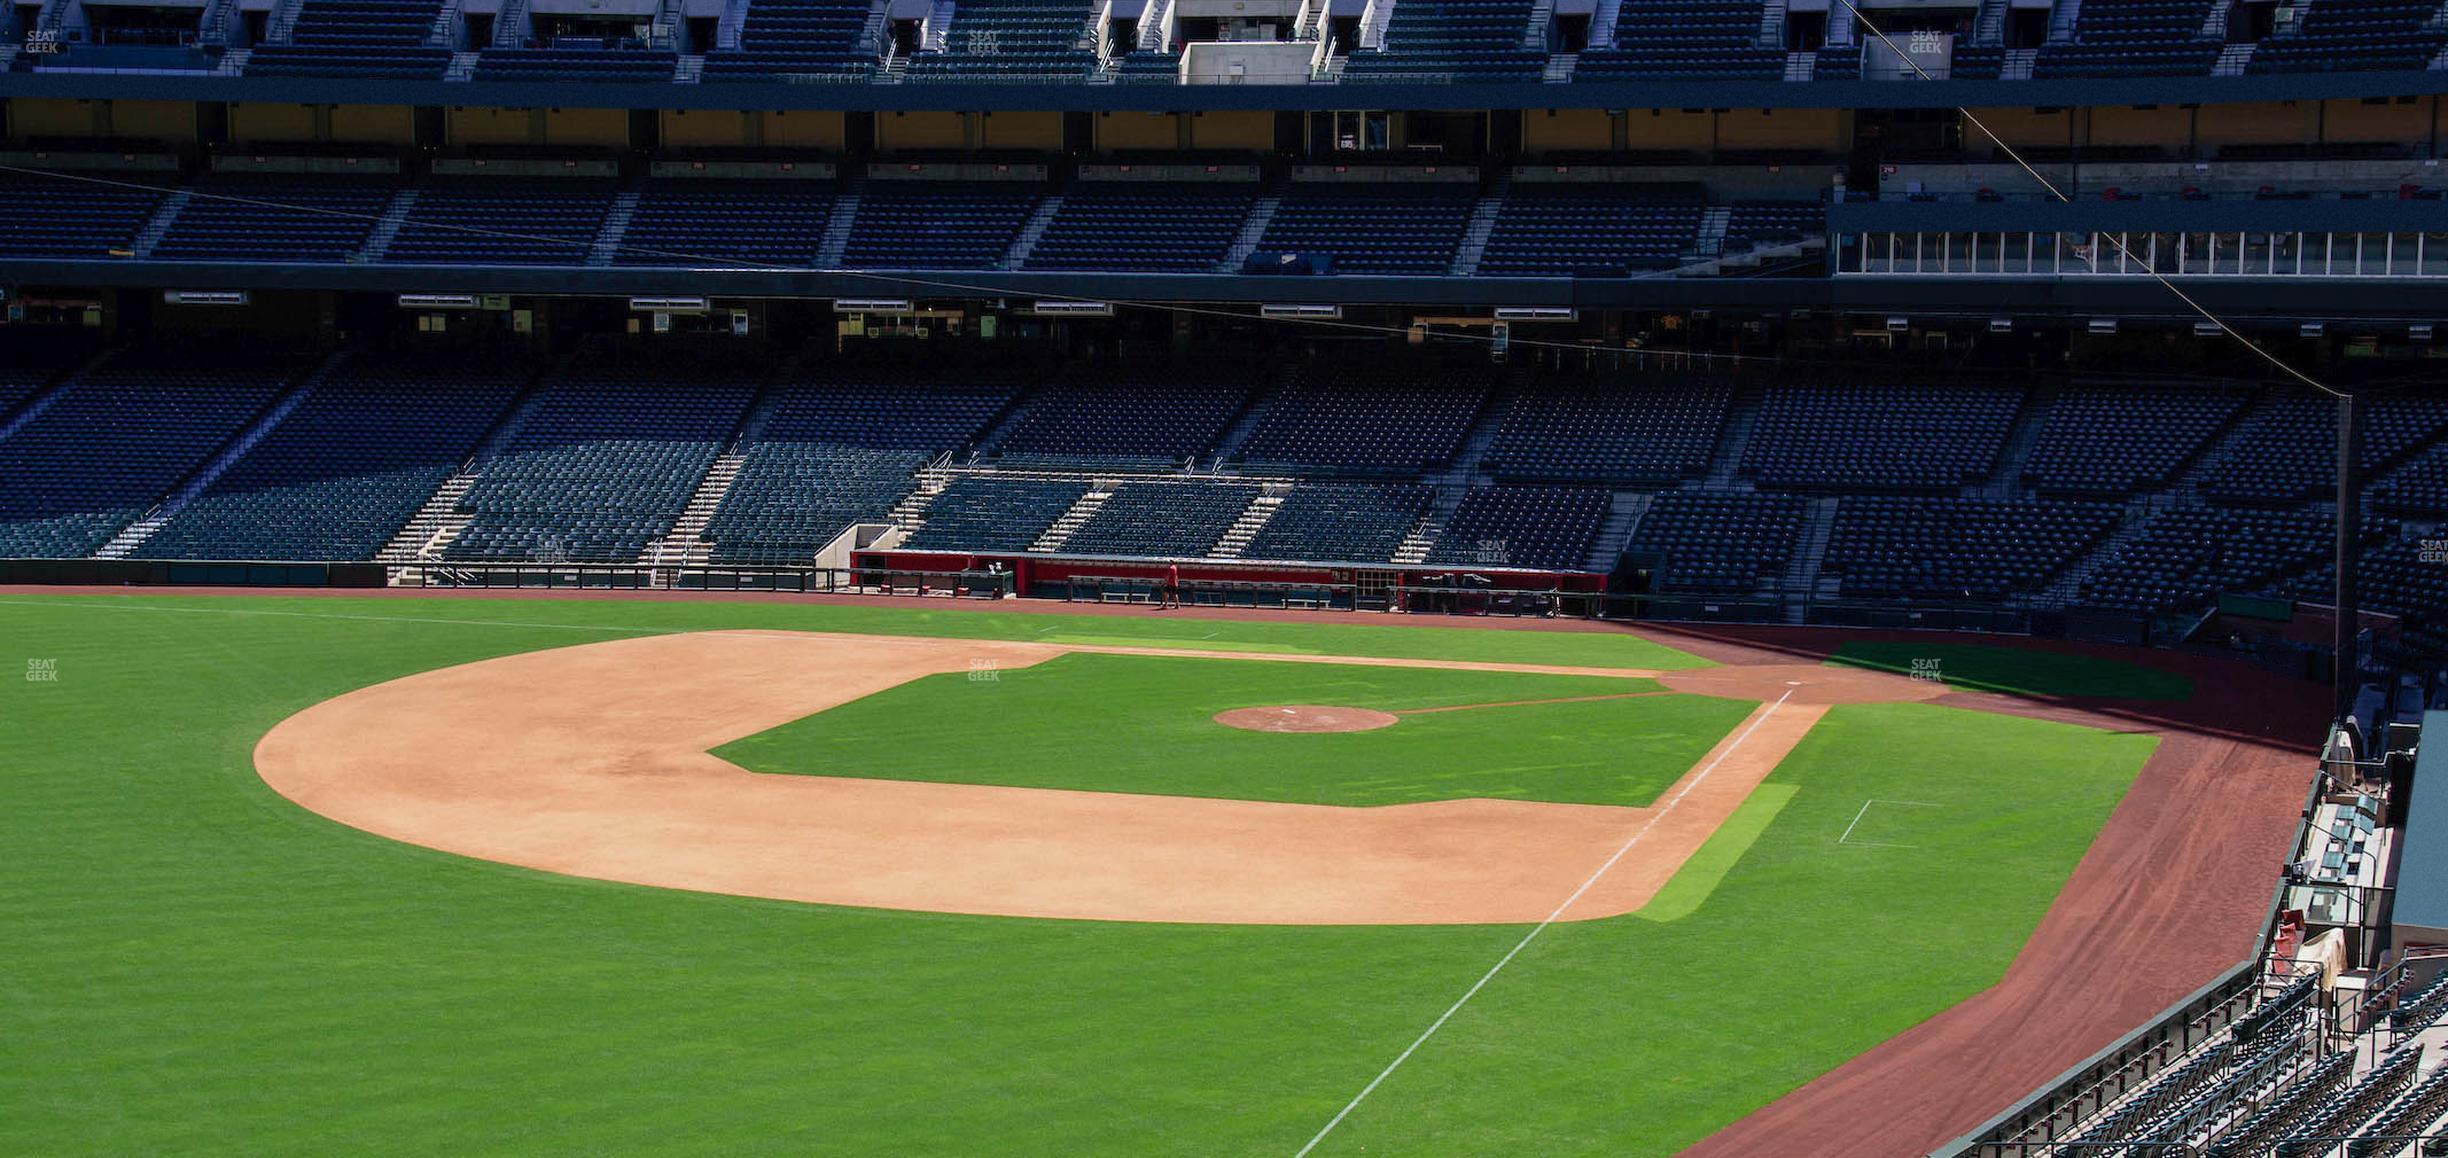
(1305, 718)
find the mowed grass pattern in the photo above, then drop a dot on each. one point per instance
(195, 964)
(1973, 667)
(1112, 723)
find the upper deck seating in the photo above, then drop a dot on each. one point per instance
(1634, 431)
(1685, 40)
(65, 218)
(501, 223)
(1459, 40)
(357, 38)
(1154, 416)
(1144, 227)
(1879, 436)
(689, 223)
(1548, 229)
(938, 225)
(561, 63)
(2345, 35)
(782, 39)
(2111, 440)
(1380, 229)
(2132, 38)
(292, 221)
(1371, 419)
(1037, 40)
(1959, 549)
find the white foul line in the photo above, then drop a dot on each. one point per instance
(1535, 930)
(1865, 811)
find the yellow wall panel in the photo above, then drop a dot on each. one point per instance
(1244, 131)
(257, 123)
(1669, 129)
(374, 124)
(897, 131)
(1561, 130)
(803, 130)
(2284, 123)
(1820, 130)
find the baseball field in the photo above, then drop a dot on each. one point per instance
(317, 874)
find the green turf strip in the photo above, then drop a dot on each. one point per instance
(1973, 667)
(195, 964)
(1708, 867)
(1154, 731)
(1331, 634)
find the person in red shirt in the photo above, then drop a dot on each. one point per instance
(1169, 596)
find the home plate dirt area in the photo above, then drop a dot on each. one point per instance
(595, 761)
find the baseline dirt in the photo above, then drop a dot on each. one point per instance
(1307, 718)
(594, 761)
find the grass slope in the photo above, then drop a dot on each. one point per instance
(194, 963)
(1154, 732)
(1973, 667)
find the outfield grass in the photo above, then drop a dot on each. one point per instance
(194, 963)
(1154, 732)
(1973, 667)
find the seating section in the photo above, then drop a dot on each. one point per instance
(2132, 38)
(1686, 40)
(835, 452)
(1144, 227)
(2420, 487)
(347, 468)
(1573, 230)
(793, 38)
(2290, 451)
(2115, 439)
(114, 442)
(1380, 229)
(2341, 35)
(792, 498)
(983, 513)
(1755, 224)
(1156, 417)
(1331, 523)
(1373, 419)
(1879, 436)
(690, 223)
(632, 65)
(1532, 528)
(1967, 550)
(1731, 543)
(1161, 520)
(1461, 40)
(2185, 558)
(604, 459)
(1013, 40)
(41, 217)
(501, 223)
(931, 225)
(357, 38)
(1647, 432)
(286, 222)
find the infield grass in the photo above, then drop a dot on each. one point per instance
(1154, 731)
(194, 964)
